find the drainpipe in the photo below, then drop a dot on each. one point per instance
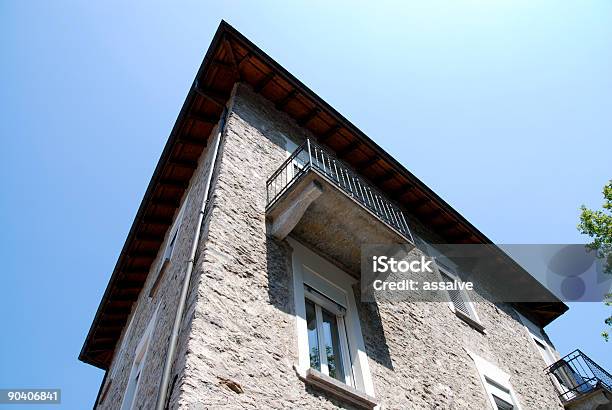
(164, 384)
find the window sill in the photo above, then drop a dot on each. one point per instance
(470, 321)
(337, 388)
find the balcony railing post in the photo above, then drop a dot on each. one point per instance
(309, 152)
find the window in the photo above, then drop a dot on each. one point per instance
(560, 378)
(459, 301)
(330, 343)
(131, 391)
(327, 342)
(537, 335)
(496, 384)
(173, 235)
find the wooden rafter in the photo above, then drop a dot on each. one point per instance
(330, 132)
(352, 146)
(234, 64)
(189, 140)
(211, 95)
(183, 163)
(282, 103)
(418, 203)
(149, 237)
(264, 81)
(384, 177)
(402, 190)
(368, 163)
(204, 118)
(177, 183)
(446, 226)
(168, 202)
(156, 220)
(309, 116)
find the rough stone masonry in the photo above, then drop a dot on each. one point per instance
(238, 342)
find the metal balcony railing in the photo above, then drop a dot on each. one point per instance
(577, 375)
(312, 157)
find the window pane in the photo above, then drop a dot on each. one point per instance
(332, 346)
(501, 404)
(313, 340)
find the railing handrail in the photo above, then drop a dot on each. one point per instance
(579, 374)
(322, 160)
(293, 155)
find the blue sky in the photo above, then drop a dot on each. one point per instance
(503, 108)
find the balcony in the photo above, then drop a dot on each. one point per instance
(582, 383)
(325, 204)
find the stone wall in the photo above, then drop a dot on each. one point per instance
(237, 345)
(166, 298)
(242, 345)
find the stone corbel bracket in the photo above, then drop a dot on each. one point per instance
(289, 217)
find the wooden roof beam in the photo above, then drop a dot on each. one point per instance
(244, 59)
(173, 203)
(203, 118)
(367, 163)
(177, 183)
(223, 64)
(183, 163)
(156, 220)
(136, 271)
(309, 116)
(263, 82)
(234, 64)
(463, 235)
(149, 237)
(384, 177)
(330, 132)
(143, 253)
(352, 146)
(433, 214)
(414, 205)
(402, 190)
(189, 140)
(446, 226)
(282, 103)
(211, 95)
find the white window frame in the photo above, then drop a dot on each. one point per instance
(173, 236)
(471, 317)
(536, 335)
(319, 274)
(490, 376)
(169, 247)
(321, 302)
(138, 365)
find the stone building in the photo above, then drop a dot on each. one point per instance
(239, 283)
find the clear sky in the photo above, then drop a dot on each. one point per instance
(503, 108)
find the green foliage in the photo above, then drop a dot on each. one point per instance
(598, 226)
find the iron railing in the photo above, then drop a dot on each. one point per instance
(310, 156)
(577, 374)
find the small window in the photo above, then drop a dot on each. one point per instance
(131, 391)
(537, 335)
(166, 258)
(327, 342)
(459, 301)
(501, 395)
(496, 384)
